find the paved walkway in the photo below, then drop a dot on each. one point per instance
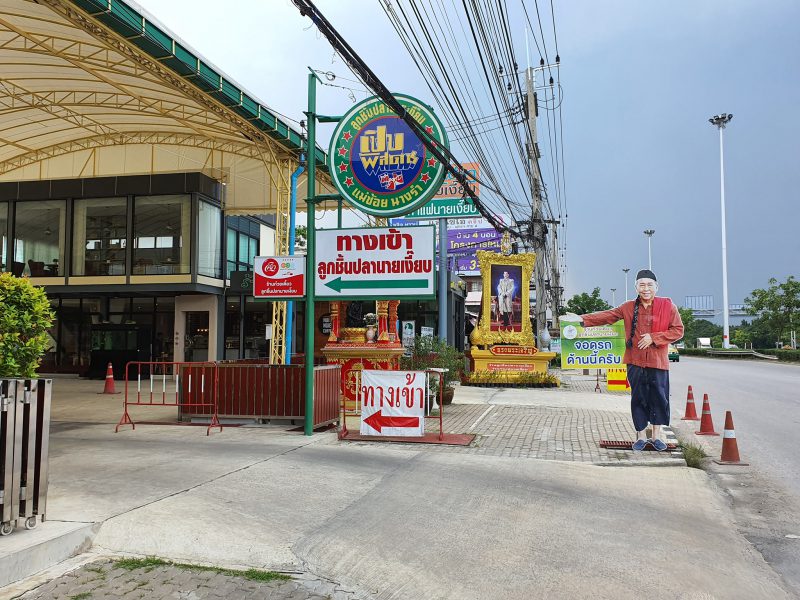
(105, 578)
(560, 424)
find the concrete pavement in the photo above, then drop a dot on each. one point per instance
(532, 509)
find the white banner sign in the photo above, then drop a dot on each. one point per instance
(375, 262)
(393, 403)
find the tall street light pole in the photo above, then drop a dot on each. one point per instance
(720, 121)
(625, 270)
(649, 233)
(613, 296)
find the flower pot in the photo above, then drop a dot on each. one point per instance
(370, 334)
(447, 395)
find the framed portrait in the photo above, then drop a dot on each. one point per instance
(505, 303)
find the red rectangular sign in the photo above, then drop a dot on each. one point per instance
(279, 277)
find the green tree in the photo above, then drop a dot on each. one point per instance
(688, 326)
(705, 329)
(584, 303)
(778, 306)
(25, 317)
(740, 336)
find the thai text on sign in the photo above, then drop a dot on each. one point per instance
(375, 262)
(600, 347)
(279, 276)
(393, 403)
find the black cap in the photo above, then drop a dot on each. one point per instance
(646, 274)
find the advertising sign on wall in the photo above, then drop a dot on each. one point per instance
(393, 403)
(450, 200)
(279, 277)
(375, 262)
(378, 163)
(600, 347)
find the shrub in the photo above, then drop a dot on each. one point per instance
(25, 316)
(500, 378)
(432, 353)
(783, 355)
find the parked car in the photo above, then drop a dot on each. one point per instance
(674, 355)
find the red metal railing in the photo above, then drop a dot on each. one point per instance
(193, 385)
(233, 389)
(264, 391)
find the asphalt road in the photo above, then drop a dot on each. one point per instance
(764, 398)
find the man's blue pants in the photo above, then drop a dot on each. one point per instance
(649, 396)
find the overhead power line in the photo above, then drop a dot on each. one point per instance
(371, 81)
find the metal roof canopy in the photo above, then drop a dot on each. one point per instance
(93, 88)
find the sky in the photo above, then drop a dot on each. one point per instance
(640, 81)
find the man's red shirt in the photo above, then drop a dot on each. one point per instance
(669, 330)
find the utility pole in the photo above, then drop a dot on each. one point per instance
(720, 121)
(625, 270)
(538, 229)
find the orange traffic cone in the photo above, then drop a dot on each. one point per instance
(109, 388)
(706, 423)
(691, 411)
(730, 450)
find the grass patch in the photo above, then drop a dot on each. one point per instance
(81, 596)
(151, 562)
(139, 563)
(693, 454)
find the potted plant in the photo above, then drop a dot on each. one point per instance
(432, 353)
(25, 317)
(371, 321)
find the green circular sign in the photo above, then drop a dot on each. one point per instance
(378, 163)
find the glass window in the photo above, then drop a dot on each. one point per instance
(251, 255)
(39, 238)
(231, 245)
(100, 232)
(244, 251)
(3, 236)
(161, 226)
(209, 244)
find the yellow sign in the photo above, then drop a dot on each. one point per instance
(617, 379)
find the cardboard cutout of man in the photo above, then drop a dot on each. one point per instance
(651, 325)
(505, 296)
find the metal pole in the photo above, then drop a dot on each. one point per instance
(308, 425)
(626, 282)
(725, 325)
(613, 296)
(649, 233)
(339, 212)
(290, 304)
(443, 279)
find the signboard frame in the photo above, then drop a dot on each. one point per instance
(397, 418)
(427, 173)
(605, 342)
(397, 293)
(295, 263)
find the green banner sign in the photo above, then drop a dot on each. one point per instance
(600, 347)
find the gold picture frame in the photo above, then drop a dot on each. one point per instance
(484, 334)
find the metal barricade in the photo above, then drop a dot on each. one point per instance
(191, 385)
(24, 451)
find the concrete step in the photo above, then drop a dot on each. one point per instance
(25, 552)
